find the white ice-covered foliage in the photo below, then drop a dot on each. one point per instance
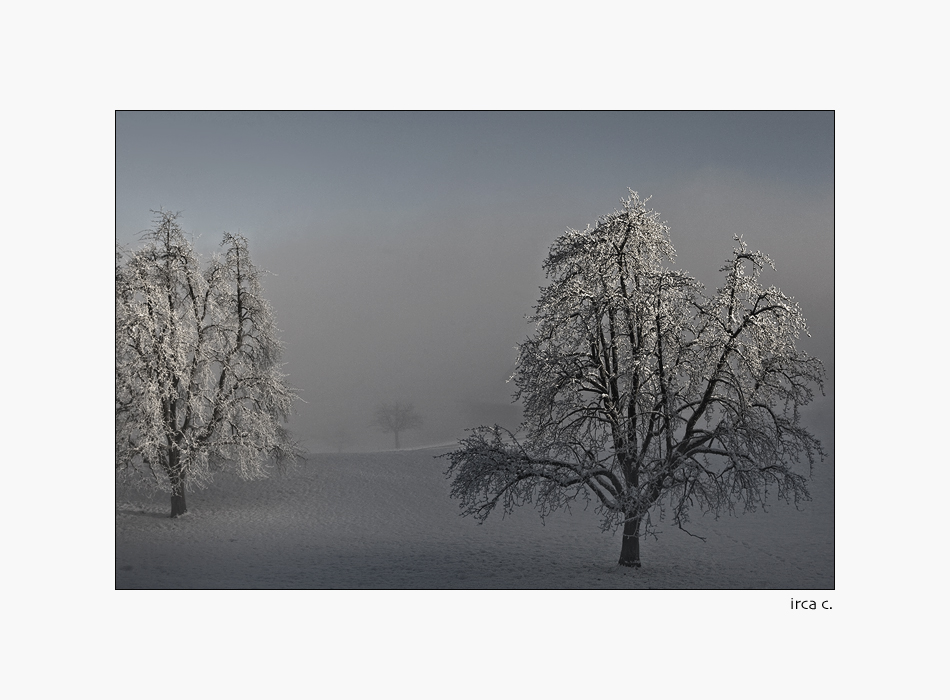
(644, 393)
(198, 376)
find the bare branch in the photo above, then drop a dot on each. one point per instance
(638, 389)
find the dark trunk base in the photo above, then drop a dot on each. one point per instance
(630, 549)
(178, 502)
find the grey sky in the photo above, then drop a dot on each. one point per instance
(408, 246)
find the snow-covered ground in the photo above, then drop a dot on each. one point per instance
(385, 520)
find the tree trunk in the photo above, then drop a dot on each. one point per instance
(630, 549)
(178, 496)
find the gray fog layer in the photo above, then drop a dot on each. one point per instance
(407, 247)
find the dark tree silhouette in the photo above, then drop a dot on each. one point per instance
(396, 418)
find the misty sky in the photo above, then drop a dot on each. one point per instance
(407, 247)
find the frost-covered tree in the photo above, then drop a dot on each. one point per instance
(644, 393)
(396, 418)
(199, 386)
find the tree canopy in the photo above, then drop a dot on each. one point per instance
(199, 386)
(645, 393)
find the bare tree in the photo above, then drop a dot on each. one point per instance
(339, 439)
(643, 393)
(199, 386)
(395, 418)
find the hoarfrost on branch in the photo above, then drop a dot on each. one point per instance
(199, 385)
(644, 393)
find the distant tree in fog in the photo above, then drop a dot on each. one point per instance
(395, 418)
(339, 439)
(644, 393)
(198, 378)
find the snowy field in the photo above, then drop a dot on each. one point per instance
(384, 520)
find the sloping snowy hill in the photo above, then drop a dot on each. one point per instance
(385, 520)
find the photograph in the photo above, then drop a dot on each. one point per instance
(476, 350)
